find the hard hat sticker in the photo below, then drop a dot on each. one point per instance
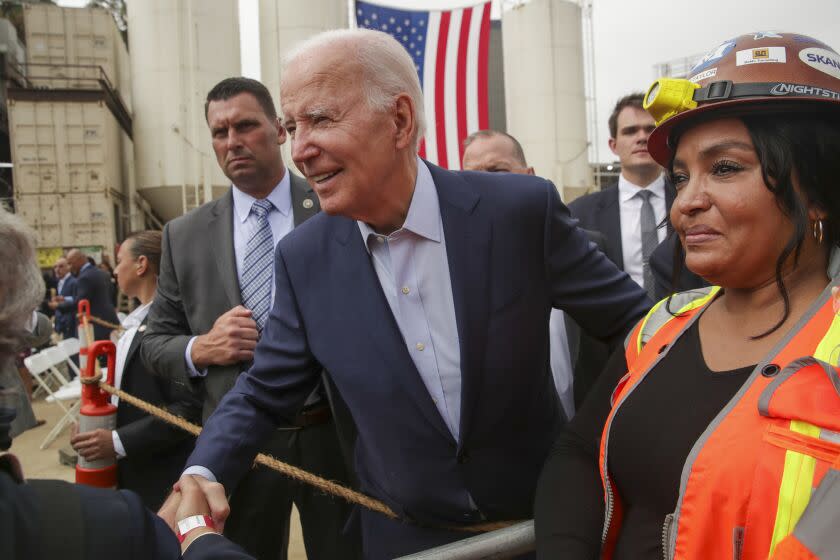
(824, 60)
(713, 56)
(766, 35)
(704, 75)
(800, 89)
(760, 55)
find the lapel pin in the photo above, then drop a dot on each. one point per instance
(142, 328)
(307, 203)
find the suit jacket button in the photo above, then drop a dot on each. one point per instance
(463, 457)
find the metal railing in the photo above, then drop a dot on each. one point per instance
(42, 76)
(495, 545)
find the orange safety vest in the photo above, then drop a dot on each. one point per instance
(751, 475)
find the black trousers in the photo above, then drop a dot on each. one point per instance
(262, 503)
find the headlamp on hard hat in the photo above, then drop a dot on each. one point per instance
(667, 97)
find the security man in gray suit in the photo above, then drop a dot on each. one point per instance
(215, 288)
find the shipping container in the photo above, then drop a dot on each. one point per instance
(72, 220)
(63, 147)
(10, 44)
(65, 47)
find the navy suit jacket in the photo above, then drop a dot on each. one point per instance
(94, 285)
(601, 211)
(65, 313)
(514, 252)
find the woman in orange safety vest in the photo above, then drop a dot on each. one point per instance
(716, 433)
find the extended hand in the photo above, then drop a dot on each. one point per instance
(231, 340)
(95, 445)
(195, 495)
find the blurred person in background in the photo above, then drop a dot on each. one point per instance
(65, 310)
(93, 285)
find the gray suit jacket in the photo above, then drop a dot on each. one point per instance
(197, 284)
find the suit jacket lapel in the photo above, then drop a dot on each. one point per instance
(221, 234)
(135, 344)
(468, 238)
(304, 201)
(610, 225)
(368, 299)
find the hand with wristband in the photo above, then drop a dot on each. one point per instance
(191, 511)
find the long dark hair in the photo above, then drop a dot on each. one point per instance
(801, 145)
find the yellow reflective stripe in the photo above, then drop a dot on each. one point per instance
(644, 323)
(828, 350)
(693, 304)
(700, 301)
(796, 486)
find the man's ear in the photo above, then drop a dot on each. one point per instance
(611, 144)
(281, 131)
(405, 120)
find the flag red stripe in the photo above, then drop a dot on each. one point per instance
(440, 109)
(483, 47)
(461, 81)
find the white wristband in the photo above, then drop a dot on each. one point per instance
(194, 522)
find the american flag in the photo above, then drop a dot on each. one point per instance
(449, 49)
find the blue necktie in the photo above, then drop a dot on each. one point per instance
(258, 266)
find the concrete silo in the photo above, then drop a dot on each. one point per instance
(544, 89)
(179, 50)
(286, 22)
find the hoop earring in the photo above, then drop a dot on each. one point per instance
(818, 231)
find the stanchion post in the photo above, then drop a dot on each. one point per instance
(97, 412)
(85, 335)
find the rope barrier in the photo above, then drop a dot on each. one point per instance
(102, 322)
(291, 471)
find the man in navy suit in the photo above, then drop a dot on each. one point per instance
(94, 285)
(425, 295)
(65, 310)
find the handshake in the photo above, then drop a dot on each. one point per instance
(195, 496)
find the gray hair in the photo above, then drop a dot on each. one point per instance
(387, 68)
(21, 284)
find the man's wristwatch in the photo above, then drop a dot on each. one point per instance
(192, 522)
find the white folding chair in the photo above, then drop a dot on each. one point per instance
(70, 347)
(43, 367)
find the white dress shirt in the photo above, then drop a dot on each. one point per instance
(130, 324)
(561, 362)
(280, 218)
(630, 209)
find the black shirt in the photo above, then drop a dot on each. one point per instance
(651, 437)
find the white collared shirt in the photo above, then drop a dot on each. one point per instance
(130, 324)
(630, 208)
